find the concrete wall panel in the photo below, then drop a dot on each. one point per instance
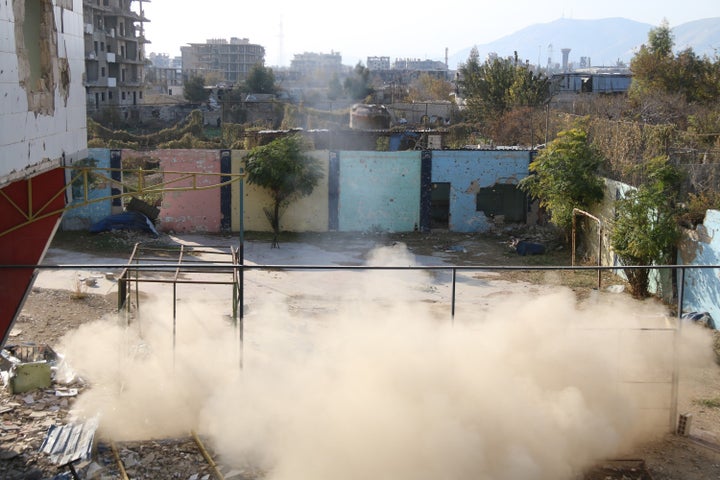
(469, 171)
(379, 190)
(188, 211)
(588, 240)
(306, 214)
(702, 247)
(81, 218)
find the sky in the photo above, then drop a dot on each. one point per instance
(382, 28)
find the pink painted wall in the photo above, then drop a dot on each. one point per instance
(188, 211)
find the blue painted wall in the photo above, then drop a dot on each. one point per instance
(702, 247)
(81, 218)
(468, 172)
(379, 190)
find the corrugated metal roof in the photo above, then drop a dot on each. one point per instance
(70, 443)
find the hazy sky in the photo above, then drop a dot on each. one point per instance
(384, 28)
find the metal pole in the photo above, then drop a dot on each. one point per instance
(676, 354)
(241, 273)
(599, 260)
(454, 274)
(174, 320)
(547, 120)
(577, 211)
(572, 247)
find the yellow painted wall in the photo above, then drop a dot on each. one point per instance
(307, 214)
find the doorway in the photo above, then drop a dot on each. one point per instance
(440, 205)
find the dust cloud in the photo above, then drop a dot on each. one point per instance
(533, 388)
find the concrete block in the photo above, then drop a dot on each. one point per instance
(30, 376)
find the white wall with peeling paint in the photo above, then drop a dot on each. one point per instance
(35, 138)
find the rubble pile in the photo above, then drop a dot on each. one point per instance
(26, 419)
(24, 423)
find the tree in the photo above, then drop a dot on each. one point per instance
(260, 79)
(284, 168)
(469, 75)
(659, 74)
(357, 85)
(528, 88)
(428, 88)
(645, 230)
(334, 88)
(564, 176)
(194, 90)
(500, 84)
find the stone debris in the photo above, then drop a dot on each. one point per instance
(26, 419)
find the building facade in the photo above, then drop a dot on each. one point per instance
(310, 63)
(230, 61)
(114, 53)
(42, 131)
(378, 63)
(419, 65)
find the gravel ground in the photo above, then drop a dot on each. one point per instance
(49, 314)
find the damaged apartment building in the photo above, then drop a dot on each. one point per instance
(114, 56)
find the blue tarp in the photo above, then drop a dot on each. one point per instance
(129, 220)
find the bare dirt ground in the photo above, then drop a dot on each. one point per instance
(49, 314)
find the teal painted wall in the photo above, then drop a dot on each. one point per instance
(468, 171)
(379, 190)
(702, 247)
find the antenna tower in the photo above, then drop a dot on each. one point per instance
(281, 41)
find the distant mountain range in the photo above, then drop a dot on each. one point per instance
(605, 42)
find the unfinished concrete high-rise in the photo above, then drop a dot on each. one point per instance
(218, 59)
(114, 55)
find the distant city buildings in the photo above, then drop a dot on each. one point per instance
(378, 63)
(419, 65)
(229, 61)
(163, 60)
(308, 64)
(114, 53)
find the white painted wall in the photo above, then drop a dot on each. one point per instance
(31, 142)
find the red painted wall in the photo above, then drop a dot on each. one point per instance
(26, 245)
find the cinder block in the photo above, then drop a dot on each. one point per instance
(30, 376)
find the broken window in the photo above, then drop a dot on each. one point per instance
(36, 48)
(504, 200)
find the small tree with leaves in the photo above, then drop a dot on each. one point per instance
(565, 176)
(194, 90)
(261, 79)
(357, 85)
(645, 230)
(284, 168)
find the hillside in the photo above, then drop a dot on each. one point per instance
(606, 41)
